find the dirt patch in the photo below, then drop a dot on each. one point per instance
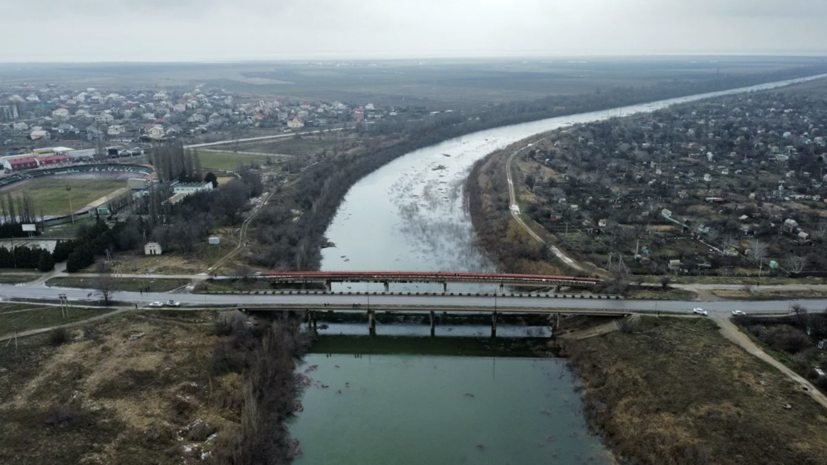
(127, 390)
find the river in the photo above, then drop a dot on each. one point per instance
(409, 215)
(413, 409)
(423, 409)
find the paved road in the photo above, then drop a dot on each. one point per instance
(253, 139)
(343, 300)
(515, 212)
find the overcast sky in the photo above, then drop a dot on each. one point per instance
(229, 30)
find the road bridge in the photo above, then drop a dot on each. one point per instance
(386, 277)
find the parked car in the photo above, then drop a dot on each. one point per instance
(700, 311)
(172, 303)
(156, 304)
(738, 313)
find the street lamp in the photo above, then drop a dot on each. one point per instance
(71, 210)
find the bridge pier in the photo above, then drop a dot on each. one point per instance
(328, 286)
(502, 286)
(312, 316)
(445, 287)
(371, 322)
(387, 286)
(494, 324)
(433, 324)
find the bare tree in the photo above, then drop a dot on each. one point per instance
(104, 283)
(802, 316)
(757, 251)
(820, 231)
(727, 242)
(795, 264)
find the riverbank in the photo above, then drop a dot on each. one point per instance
(136, 388)
(675, 391)
(323, 187)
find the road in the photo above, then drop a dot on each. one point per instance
(515, 212)
(541, 304)
(253, 139)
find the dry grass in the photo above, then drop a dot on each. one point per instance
(123, 391)
(676, 392)
(768, 295)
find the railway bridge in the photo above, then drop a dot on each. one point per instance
(387, 277)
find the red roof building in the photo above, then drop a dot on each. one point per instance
(52, 160)
(17, 164)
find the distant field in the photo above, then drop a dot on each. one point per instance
(446, 83)
(229, 161)
(307, 145)
(50, 192)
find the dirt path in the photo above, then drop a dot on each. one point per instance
(594, 331)
(731, 332)
(515, 212)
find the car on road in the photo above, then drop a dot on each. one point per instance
(738, 313)
(700, 311)
(156, 304)
(173, 303)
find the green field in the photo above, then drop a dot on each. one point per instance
(299, 146)
(24, 317)
(122, 284)
(49, 193)
(228, 161)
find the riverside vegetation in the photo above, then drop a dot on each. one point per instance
(675, 391)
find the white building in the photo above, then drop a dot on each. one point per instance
(153, 248)
(188, 188)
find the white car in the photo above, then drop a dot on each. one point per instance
(173, 303)
(738, 313)
(156, 304)
(700, 311)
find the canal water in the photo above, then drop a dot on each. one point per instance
(422, 409)
(371, 409)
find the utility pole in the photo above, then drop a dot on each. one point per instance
(71, 210)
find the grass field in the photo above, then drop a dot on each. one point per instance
(122, 284)
(25, 317)
(228, 161)
(18, 276)
(49, 193)
(676, 391)
(301, 146)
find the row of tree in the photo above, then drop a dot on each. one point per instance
(25, 257)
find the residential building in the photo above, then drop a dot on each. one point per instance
(295, 123)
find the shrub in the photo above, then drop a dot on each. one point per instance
(64, 416)
(58, 337)
(46, 263)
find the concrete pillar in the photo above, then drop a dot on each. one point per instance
(433, 324)
(558, 323)
(313, 319)
(387, 286)
(502, 286)
(445, 287)
(328, 286)
(494, 324)
(371, 323)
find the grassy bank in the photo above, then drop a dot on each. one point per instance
(122, 284)
(17, 318)
(676, 392)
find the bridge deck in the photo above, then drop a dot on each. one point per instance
(425, 277)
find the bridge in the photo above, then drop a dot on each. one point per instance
(386, 277)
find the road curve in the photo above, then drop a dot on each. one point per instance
(515, 212)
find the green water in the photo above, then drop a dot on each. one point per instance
(421, 409)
